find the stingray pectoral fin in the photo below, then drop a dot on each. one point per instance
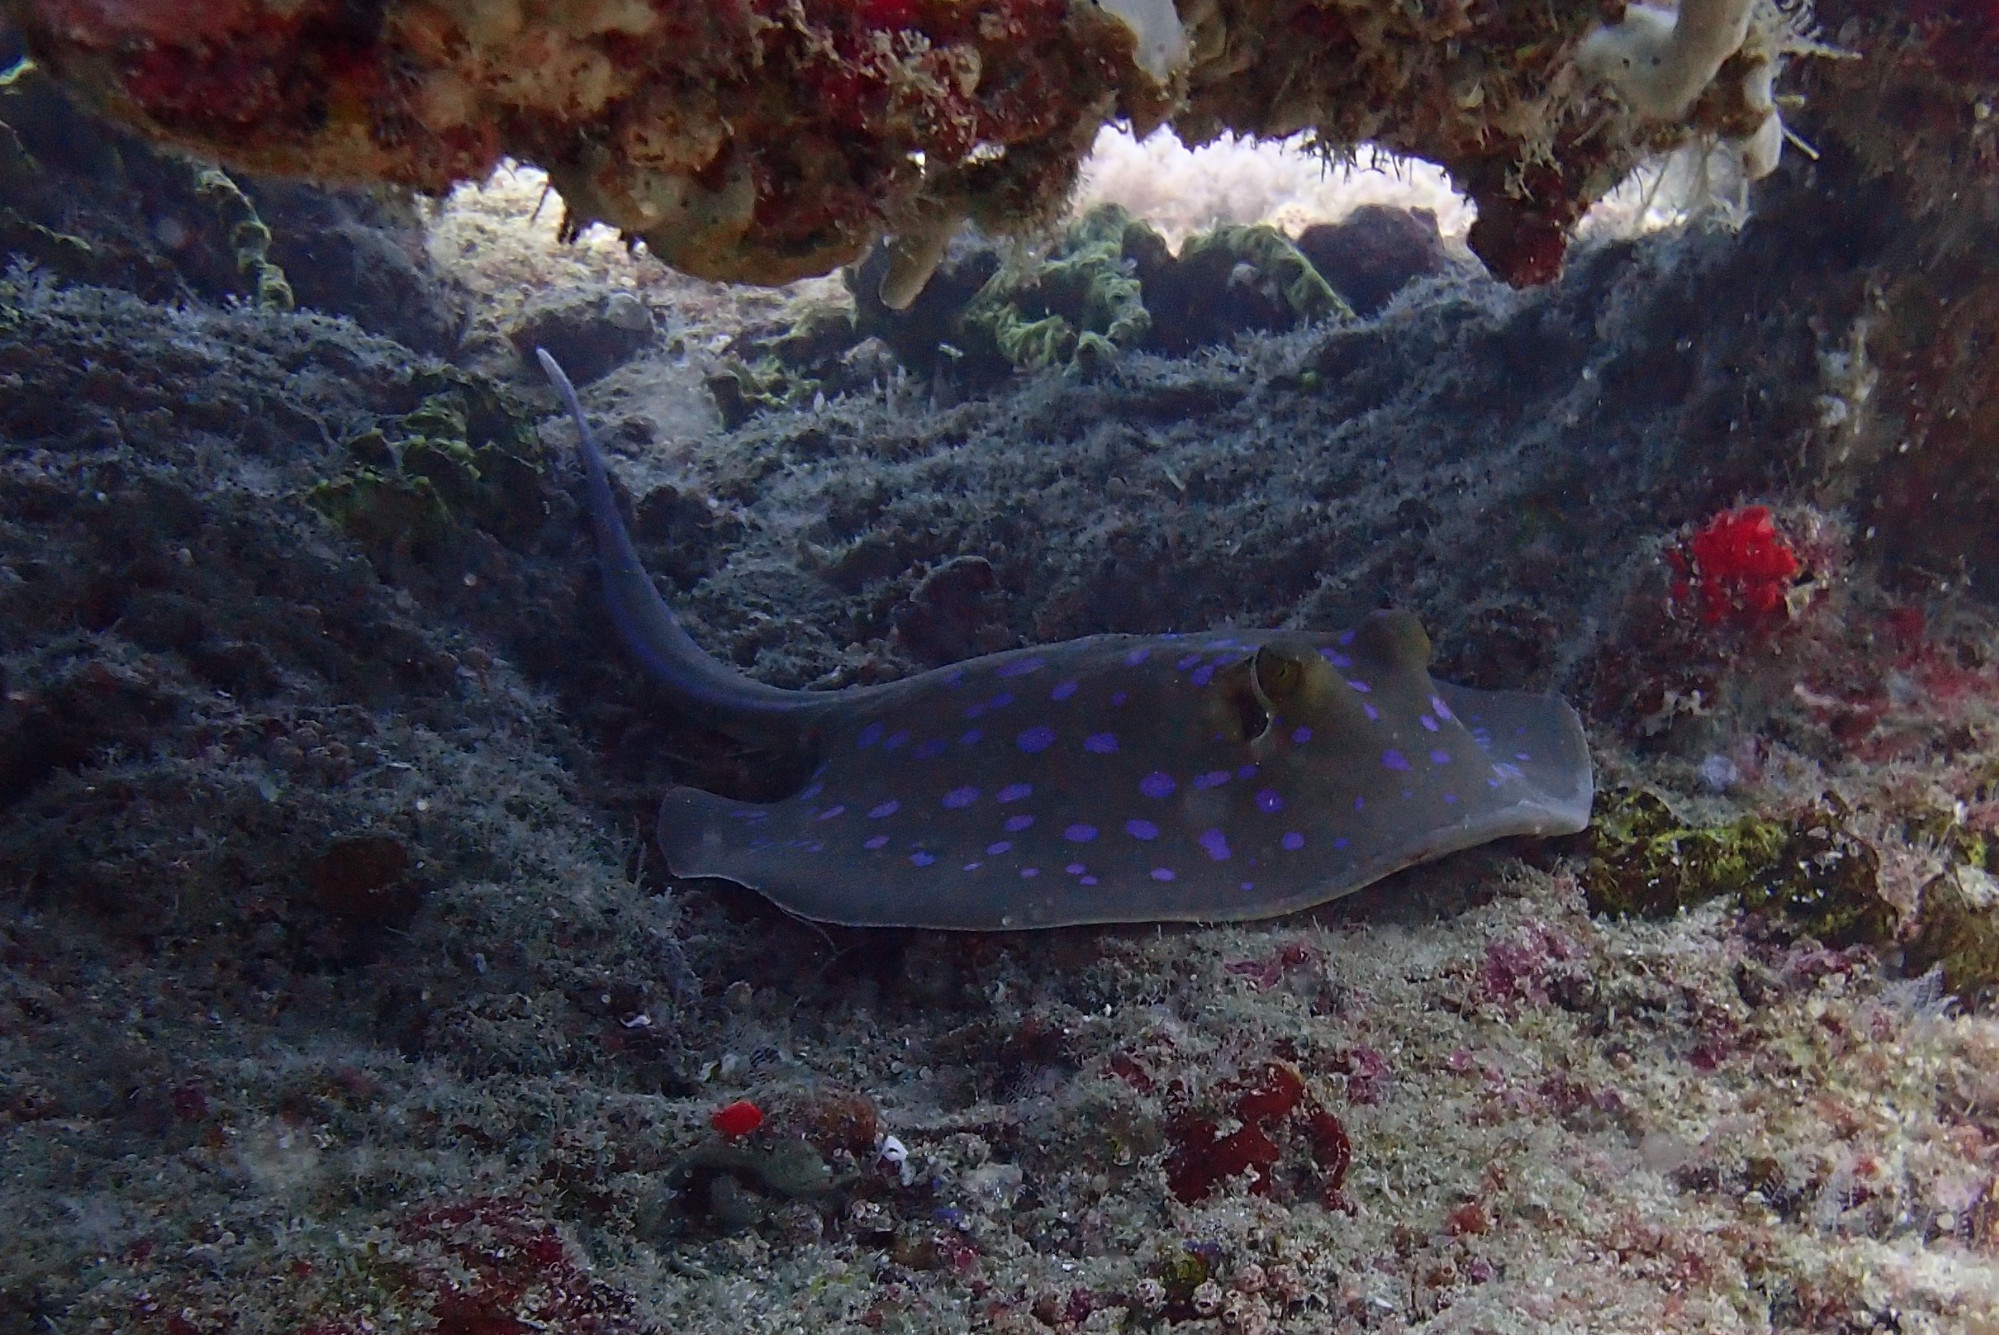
(692, 831)
(777, 850)
(1539, 757)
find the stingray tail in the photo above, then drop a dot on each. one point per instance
(705, 687)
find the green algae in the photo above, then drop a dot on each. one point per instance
(1649, 863)
(1810, 871)
(462, 457)
(1183, 1272)
(387, 513)
(249, 236)
(1958, 931)
(1826, 880)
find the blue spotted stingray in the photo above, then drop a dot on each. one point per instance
(1117, 778)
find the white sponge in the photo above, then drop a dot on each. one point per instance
(1659, 60)
(1162, 42)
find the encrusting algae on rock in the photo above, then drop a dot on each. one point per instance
(1807, 871)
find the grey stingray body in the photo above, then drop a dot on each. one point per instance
(1207, 777)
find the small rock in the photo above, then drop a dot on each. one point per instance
(1374, 252)
(591, 332)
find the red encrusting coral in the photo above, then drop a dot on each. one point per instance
(737, 1119)
(1738, 567)
(492, 1264)
(1204, 1156)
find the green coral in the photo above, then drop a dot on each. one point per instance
(1109, 285)
(1277, 264)
(1083, 303)
(1810, 871)
(462, 456)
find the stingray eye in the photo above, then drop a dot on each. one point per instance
(1277, 676)
(1251, 717)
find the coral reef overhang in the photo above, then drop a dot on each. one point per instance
(767, 140)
